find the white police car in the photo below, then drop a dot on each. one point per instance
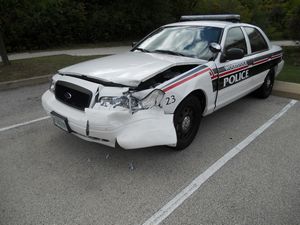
(157, 93)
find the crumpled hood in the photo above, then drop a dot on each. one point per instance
(129, 68)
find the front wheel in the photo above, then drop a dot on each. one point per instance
(187, 118)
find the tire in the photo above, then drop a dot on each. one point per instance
(187, 118)
(266, 89)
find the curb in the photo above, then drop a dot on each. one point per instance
(281, 88)
(286, 89)
(24, 82)
(72, 52)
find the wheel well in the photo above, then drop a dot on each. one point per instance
(201, 96)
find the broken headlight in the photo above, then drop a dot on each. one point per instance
(131, 102)
(152, 99)
(112, 101)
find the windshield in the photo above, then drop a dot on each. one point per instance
(189, 41)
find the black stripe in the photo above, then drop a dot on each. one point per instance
(250, 61)
(255, 70)
(186, 74)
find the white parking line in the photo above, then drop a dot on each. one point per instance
(174, 203)
(23, 124)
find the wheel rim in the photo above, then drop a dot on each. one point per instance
(268, 84)
(184, 123)
(268, 81)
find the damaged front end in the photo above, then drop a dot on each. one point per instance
(132, 118)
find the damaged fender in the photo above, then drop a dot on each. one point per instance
(150, 132)
(142, 129)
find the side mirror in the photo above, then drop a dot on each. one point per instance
(134, 43)
(232, 54)
(214, 47)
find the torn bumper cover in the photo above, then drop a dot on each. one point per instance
(142, 129)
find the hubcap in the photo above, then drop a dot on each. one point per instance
(186, 123)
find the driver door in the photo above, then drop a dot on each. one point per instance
(234, 78)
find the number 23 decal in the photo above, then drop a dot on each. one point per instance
(170, 100)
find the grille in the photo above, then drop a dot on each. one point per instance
(73, 95)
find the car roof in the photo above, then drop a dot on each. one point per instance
(220, 24)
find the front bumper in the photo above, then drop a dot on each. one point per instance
(144, 128)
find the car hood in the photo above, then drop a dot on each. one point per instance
(129, 69)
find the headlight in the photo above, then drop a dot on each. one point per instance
(110, 101)
(132, 103)
(52, 86)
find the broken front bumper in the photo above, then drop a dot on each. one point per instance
(142, 129)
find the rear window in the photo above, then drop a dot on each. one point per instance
(257, 41)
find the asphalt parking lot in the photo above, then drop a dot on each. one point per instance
(50, 177)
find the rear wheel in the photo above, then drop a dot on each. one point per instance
(266, 89)
(187, 118)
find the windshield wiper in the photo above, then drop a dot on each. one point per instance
(142, 49)
(168, 52)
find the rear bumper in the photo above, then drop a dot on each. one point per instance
(142, 129)
(279, 68)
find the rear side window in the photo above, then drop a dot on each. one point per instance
(235, 39)
(257, 41)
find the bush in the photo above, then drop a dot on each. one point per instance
(39, 24)
(47, 23)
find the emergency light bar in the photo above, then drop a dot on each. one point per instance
(234, 18)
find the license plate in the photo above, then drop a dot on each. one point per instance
(60, 121)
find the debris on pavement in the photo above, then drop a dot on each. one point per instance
(131, 166)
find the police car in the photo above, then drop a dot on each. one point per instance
(157, 93)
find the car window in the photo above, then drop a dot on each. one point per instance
(257, 41)
(235, 39)
(190, 41)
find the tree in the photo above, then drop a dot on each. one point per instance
(3, 52)
(292, 19)
(29, 25)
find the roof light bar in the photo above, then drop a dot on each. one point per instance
(234, 18)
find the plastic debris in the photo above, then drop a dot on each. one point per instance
(131, 166)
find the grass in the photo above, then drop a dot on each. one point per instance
(80, 46)
(25, 68)
(291, 69)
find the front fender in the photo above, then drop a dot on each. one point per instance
(196, 79)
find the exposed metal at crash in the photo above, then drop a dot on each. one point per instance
(164, 76)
